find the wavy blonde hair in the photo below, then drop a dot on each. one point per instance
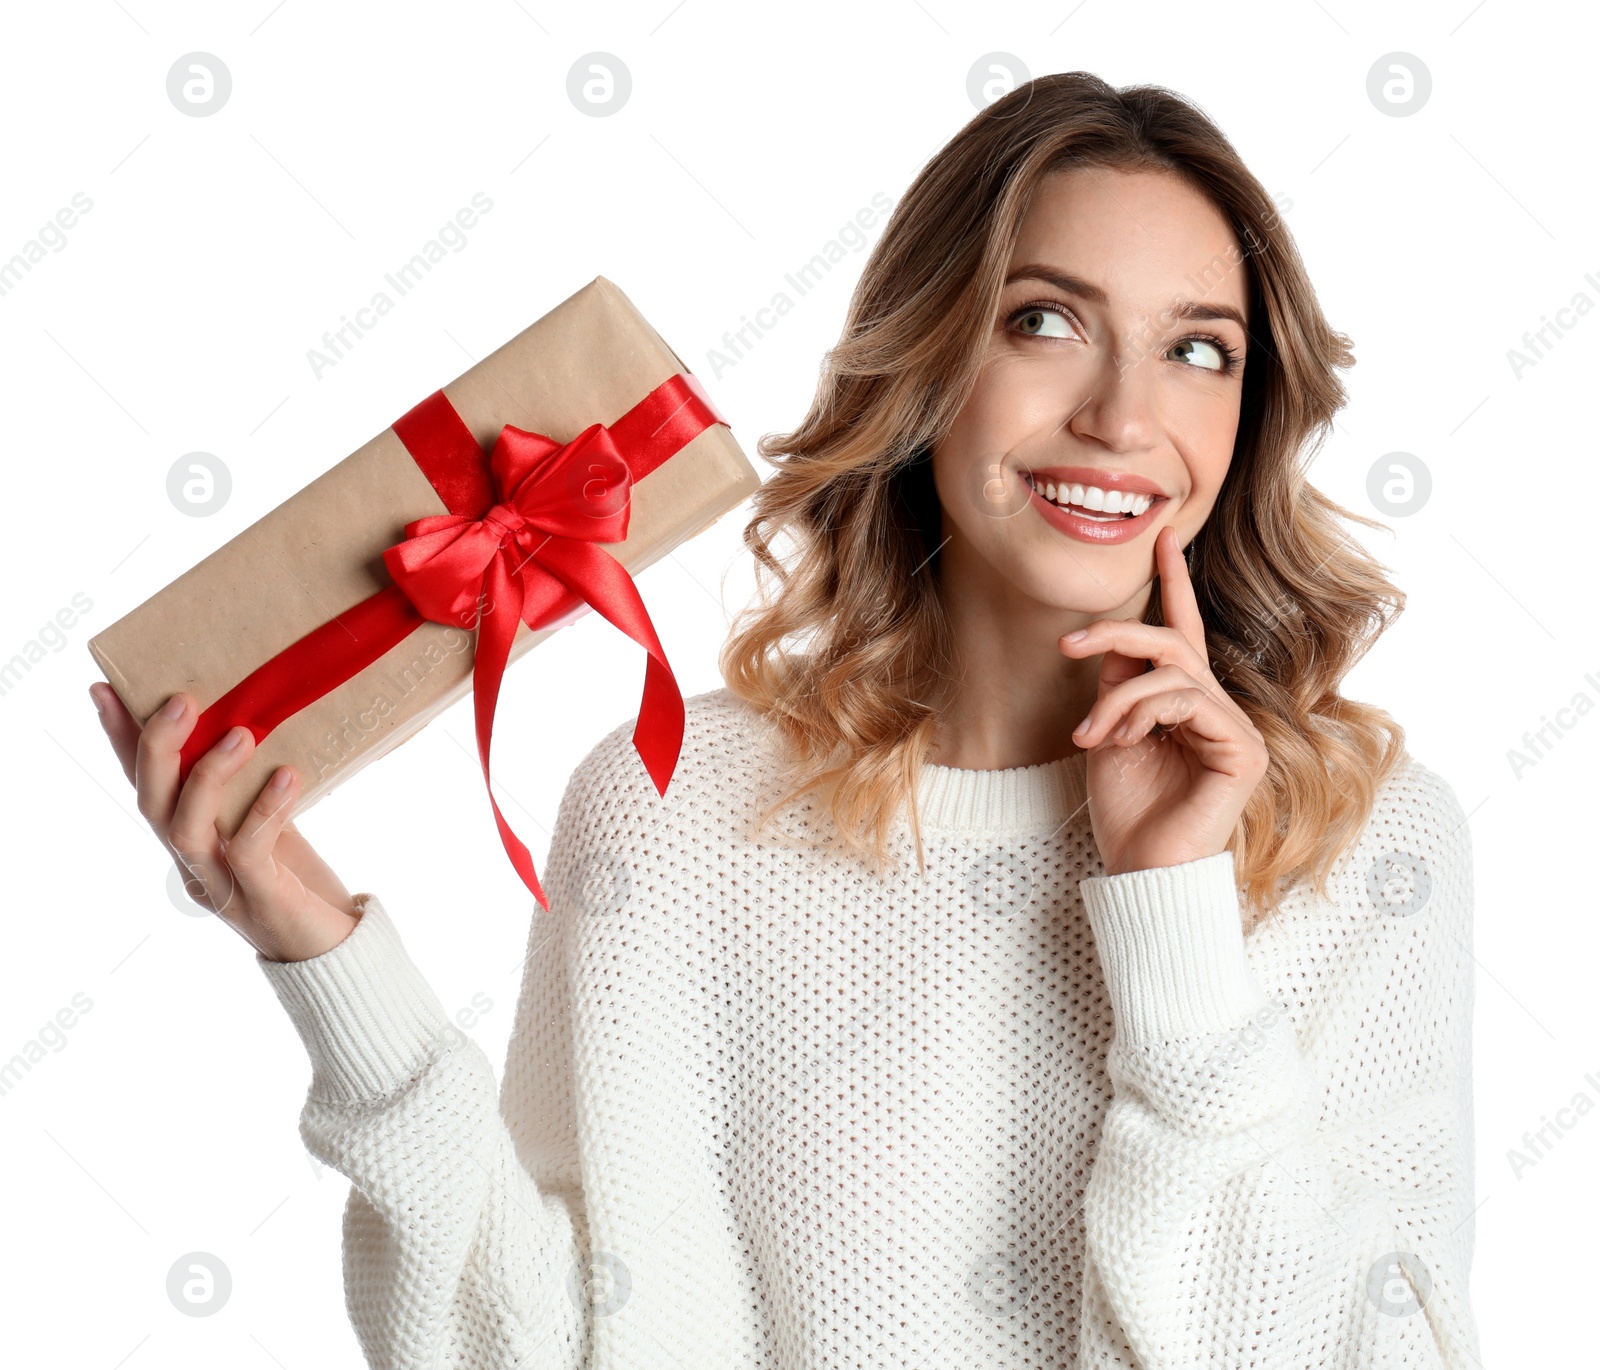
(1290, 603)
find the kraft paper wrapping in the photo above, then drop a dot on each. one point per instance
(589, 360)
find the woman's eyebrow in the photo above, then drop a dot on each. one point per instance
(1198, 309)
(1069, 284)
(1062, 280)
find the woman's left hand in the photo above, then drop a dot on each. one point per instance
(1160, 799)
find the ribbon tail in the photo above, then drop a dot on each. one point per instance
(602, 580)
(497, 628)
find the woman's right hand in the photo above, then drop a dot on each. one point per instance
(266, 882)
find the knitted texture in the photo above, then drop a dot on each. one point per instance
(763, 1107)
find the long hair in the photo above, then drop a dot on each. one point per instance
(1290, 603)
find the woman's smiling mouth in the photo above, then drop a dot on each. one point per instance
(1094, 506)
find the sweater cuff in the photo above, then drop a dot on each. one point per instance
(368, 1018)
(1172, 949)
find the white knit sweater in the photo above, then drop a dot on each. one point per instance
(764, 1108)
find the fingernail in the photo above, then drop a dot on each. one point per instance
(175, 707)
(99, 704)
(1078, 636)
(1088, 722)
(280, 779)
(1122, 731)
(233, 738)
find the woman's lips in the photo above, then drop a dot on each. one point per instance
(1120, 529)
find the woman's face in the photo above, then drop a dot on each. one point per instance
(1107, 366)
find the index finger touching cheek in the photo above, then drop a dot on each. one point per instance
(1179, 607)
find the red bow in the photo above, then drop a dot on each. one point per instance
(553, 503)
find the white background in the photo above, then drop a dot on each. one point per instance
(178, 317)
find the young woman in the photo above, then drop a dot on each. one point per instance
(1034, 960)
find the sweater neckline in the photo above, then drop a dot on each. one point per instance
(951, 798)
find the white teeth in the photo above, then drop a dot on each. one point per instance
(1093, 497)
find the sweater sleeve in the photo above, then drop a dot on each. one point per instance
(1275, 1198)
(452, 1254)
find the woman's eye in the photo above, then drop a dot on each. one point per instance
(1210, 357)
(1044, 323)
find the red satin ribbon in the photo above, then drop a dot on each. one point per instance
(518, 543)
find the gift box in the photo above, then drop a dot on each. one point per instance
(528, 491)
